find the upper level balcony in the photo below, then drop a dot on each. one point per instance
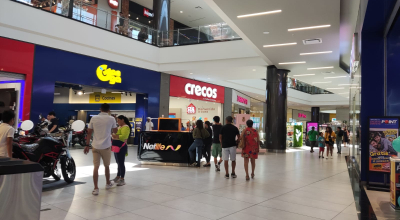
(113, 21)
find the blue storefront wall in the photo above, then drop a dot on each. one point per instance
(52, 65)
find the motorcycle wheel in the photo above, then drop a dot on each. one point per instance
(68, 169)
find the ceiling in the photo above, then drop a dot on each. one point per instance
(295, 14)
(190, 16)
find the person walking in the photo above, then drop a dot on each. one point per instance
(101, 126)
(216, 145)
(339, 139)
(199, 134)
(330, 137)
(149, 125)
(207, 145)
(321, 144)
(53, 125)
(346, 135)
(227, 137)
(251, 148)
(119, 141)
(312, 136)
(7, 133)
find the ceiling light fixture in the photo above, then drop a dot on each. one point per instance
(307, 28)
(260, 13)
(321, 82)
(305, 75)
(312, 53)
(181, 12)
(343, 93)
(266, 32)
(190, 73)
(336, 88)
(292, 63)
(80, 93)
(348, 85)
(277, 45)
(335, 77)
(318, 68)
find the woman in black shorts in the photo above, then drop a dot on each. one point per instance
(330, 137)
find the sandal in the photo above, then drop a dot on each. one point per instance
(252, 176)
(247, 178)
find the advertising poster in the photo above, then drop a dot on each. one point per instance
(298, 136)
(395, 183)
(310, 125)
(382, 132)
(133, 128)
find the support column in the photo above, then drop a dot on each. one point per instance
(275, 123)
(124, 14)
(315, 114)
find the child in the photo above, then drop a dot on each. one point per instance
(321, 144)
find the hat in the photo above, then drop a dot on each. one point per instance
(148, 118)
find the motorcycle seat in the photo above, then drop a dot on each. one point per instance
(30, 147)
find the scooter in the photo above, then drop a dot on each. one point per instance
(48, 151)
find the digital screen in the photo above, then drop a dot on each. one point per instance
(312, 124)
(169, 125)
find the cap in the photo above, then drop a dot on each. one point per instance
(148, 118)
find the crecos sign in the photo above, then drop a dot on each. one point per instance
(186, 88)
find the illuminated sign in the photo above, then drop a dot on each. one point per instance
(242, 100)
(107, 74)
(147, 13)
(193, 89)
(301, 115)
(191, 109)
(159, 146)
(113, 4)
(98, 97)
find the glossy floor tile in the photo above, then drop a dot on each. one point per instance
(296, 185)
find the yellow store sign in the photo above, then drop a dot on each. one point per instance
(109, 97)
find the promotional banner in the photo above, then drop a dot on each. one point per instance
(382, 132)
(192, 89)
(109, 97)
(297, 135)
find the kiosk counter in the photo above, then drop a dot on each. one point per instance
(166, 145)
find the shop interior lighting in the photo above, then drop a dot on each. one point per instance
(334, 77)
(254, 69)
(266, 32)
(312, 53)
(137, 18)
(287, 63)
(348, 85)
(305, 75)
(278, 45)
(80, 93)
(190, 73)
(322, 67)
(181, 12)
(321, 82)
(336, 88)
(343, 93)
(307, 28)
(259, 13)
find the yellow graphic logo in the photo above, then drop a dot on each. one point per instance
(110, 75)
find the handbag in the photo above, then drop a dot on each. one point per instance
(116, 149)
(242, 142)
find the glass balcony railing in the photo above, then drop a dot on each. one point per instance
(88, 13)
(304, 87)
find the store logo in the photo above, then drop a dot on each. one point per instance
(158, 146)
(192, 89)
(97, 98)
(242, 100)
(389, 121)
(113, 4)
(191, 109)
(110, 75)
(147, 13)
(301, 115)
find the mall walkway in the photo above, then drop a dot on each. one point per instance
(296, 185)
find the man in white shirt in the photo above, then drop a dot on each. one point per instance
(7, 133)
(101, 126)
(149, 124)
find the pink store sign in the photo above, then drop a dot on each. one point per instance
(301, 115)
(242, 100)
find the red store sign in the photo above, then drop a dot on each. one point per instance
(301, 115)
(192, 89)
(113, 4)
(242, 100)
(191, 109)
(147, 13)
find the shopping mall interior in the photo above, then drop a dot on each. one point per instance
(236, 109)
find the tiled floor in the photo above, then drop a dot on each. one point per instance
(296, 185)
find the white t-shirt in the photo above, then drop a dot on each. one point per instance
(149, 126)
(6, 131)
(102, 125)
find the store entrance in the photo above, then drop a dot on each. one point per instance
(11, 94)
(78, 102)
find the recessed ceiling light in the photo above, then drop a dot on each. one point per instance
(277, 45)
(348, 85)
(318, 68)
(292, 63)
(305, 75)
(266, 32)
(208, 78)
(334, 77)
(181, 12)
(307, 28)
(137, 18)
(260, 13)
(254, 69)
(190, 73)
(321, 82)
(336, 88)
(312, 53)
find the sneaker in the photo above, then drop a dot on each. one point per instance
(116, 179)
(227, 176)
(193, 164)
(95, 192)
(217, 167)
(219, 163)
(233, 175)
(319, 157)
(109, 186)
(121, 182)
(207, 165)
(323, 157)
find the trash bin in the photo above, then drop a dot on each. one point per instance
(20, 189)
